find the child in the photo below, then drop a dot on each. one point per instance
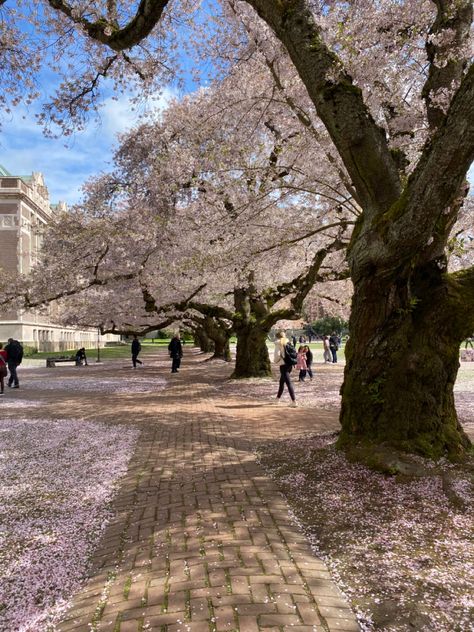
(301, 363)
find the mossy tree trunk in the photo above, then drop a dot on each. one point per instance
(219, 332)
(202, 340)
(252, 359)
(252, 327)
(402, 362)
(408, 314)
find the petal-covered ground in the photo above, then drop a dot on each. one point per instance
(105, 385)
(401, 548)
(58, 477)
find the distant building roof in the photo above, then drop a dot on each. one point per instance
(4, 172)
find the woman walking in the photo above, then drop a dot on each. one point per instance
(282, 353)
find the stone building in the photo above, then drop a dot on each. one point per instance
(24, 209)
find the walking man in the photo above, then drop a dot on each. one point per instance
(136, 348)
(176, 353)
(14, 357)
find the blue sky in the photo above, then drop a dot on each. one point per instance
(66, 162)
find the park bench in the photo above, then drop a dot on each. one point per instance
(51, 362)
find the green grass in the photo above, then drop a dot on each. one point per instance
(106, 353)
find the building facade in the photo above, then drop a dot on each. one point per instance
(24, 210)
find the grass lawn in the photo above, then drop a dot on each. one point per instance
(106, 353)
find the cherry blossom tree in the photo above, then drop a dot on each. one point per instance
(393, 85)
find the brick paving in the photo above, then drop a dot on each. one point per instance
(202, 539)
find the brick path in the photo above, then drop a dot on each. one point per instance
(202, 539)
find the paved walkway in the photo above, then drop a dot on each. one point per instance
(202, 539)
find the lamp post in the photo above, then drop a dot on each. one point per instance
(98, 344)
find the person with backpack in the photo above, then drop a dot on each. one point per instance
(14, 352)
(334, 345)
(285, 354)
(3, 368)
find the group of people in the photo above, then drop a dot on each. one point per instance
(287, 357)
(175, 349)
(10, 359)
(331, 346)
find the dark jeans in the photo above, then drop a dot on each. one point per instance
(175, 364)
(285, 379)
(135, 360)
(334, 355)
(302, 375)
(310, 371)
(13, 379)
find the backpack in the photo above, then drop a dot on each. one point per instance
(290, 355)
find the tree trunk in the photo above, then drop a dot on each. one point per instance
(402, 361)
(219, 333)
(202, 341)
(252, 359)
(222, 349)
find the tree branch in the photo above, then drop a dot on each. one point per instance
(108, 32)
(446, 64)
(361, 143)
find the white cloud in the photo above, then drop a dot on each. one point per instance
(67, 162)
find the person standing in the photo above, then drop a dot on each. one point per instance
(14, 352)
(326, 350)
(309, 362)
(136, 348)
(301, 364)
(176, 353)
(281, 356)
(3, 368)
(334, 345)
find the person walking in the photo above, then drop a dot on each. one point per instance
(309, 362)
(326, 350)
(283, 351)
(3, 369)
(176, 353)
(334, 346)
(14, 352)
(301, 363)
(136, 348)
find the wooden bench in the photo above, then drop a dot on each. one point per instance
(51, 362)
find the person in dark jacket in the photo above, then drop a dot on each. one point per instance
(14, 352)
(176, 353)
(81, 357)
(334, 345)
(309, 362)
(136, 348)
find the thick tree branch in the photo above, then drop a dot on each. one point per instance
(108, 32)
(438, 178)
(448, 36)
(362, 145)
